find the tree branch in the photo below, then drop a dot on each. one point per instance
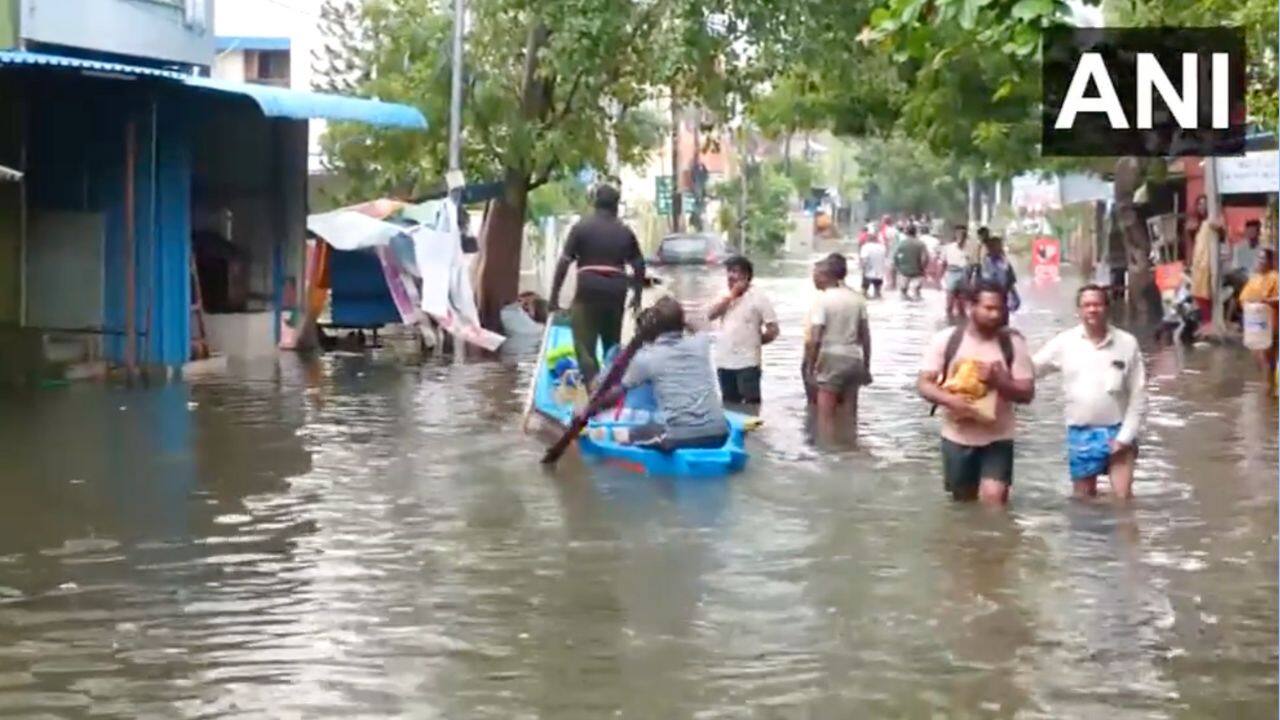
(568, 101)
(543, 177)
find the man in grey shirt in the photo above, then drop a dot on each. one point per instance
(678, 365)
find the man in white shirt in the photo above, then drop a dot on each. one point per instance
(747, 322)
(872, 259)
(1104, 384)
(955, 270)
(933, 272)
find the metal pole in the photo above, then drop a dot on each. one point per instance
(23, 128)
(455, 96)
(454, 178)
(675, 164)
(742, 188)
(130, 254)
(1215, 257)
(695, 212)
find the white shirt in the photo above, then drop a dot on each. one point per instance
(872, 256)
(738, 343)
(954, 255)
(932, 243)
(1104, 384)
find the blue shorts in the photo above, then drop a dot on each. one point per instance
(1089, 450)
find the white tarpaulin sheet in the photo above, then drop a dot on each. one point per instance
(349, 230)
(447, 295)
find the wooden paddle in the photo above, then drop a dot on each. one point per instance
(611, 379)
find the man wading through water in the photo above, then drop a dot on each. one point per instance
(602, 246)
(747, 321)
(975, 373)
(1104, 385)
(837, 350)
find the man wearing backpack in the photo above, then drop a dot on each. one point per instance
(977, 451)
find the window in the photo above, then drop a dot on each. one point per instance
(268, 67)
(195, 14)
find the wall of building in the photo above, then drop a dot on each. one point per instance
(298, 20)
(250, 176)
(10, 207)
(154, 29)
(77, 167)
(1236, 209)
(229, 65)
(8, 23)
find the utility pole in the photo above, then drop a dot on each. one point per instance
(455, 179)
(676, 203)
(695, 212)
(742, 185)
(1215, 256)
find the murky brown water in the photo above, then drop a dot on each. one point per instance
(352, 538)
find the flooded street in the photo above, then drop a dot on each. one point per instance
(354, 538)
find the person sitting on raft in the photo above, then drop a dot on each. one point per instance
(678, 364)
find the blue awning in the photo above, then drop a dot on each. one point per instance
(273, 101)
(303, 105)
(228, 43)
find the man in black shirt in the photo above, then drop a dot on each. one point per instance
(602, 246)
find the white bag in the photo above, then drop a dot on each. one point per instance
(1258, 333)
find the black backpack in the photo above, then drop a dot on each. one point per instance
(1004, 337)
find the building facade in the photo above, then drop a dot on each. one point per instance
(145, 181)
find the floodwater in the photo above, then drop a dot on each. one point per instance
(353, 538)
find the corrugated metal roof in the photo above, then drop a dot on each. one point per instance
(273, 101)
(9, 174)
(21, 57)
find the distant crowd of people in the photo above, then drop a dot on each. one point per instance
(906, 254)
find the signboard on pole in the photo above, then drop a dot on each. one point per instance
(1046, 259)
(1255, 172)
(662, 194)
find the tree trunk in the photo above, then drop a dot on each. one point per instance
(501, 239)
(1137, 241)
(502, 236)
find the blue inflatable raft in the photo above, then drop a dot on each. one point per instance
(557, 388)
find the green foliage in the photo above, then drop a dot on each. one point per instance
(767, 218)
(539, 77)
(903, 175)
(558, 198)
(1257, 17)
(802, 175)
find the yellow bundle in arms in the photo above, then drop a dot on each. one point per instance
(966, 381)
